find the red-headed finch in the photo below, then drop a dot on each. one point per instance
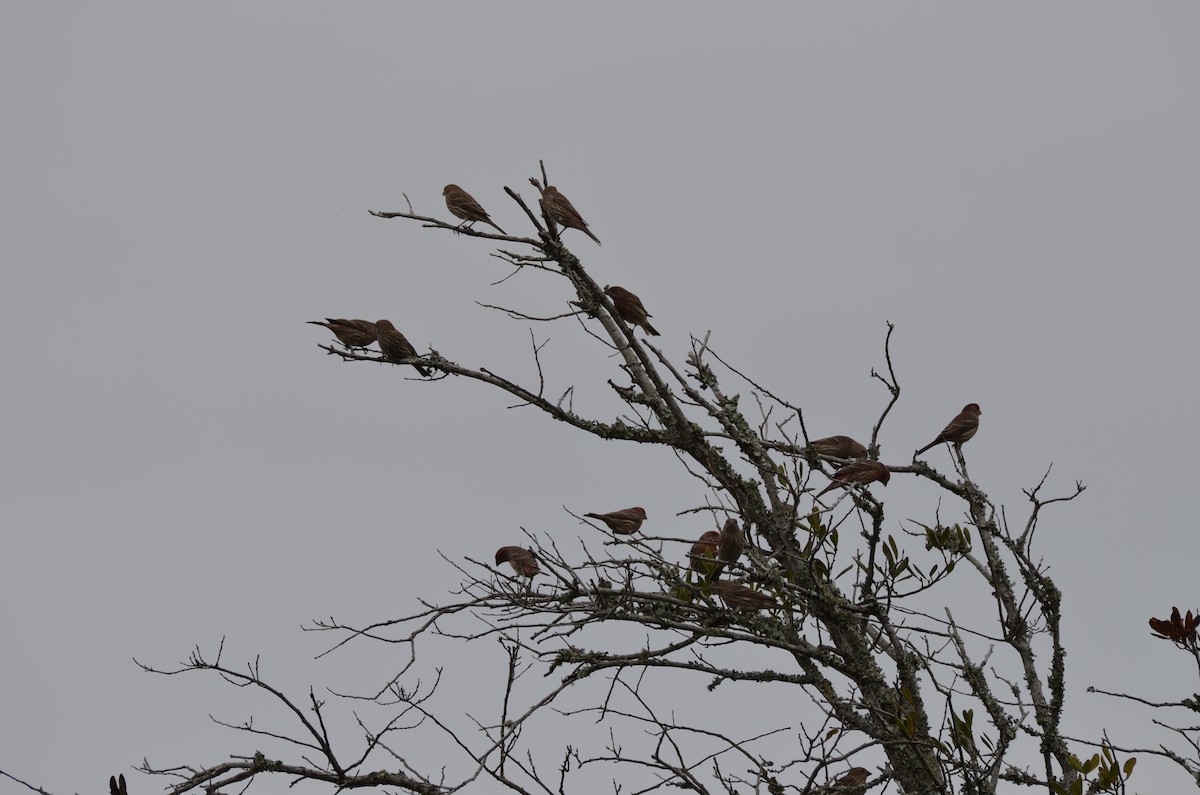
(741, 598)
(624, 522)
(851, 782)
(630, 308)
(464, 206)
(117, 786)
(395, 346)
(838, 447)
(351, 333)
(702, 557)
(960, 429)
(859, 472)
(522, 560)
(558, 209)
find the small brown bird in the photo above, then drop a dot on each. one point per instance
(960, 429)
(351, 333)
(463, 205)
(702, 557)
(522, 560)
(838, 447)
(558, 209)
(859, 472)
(741, 598)
(395, 346)
(731, 543)
(850, 782)
(630, 308)
(624, 522)
(117, 786)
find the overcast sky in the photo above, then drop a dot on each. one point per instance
(1015, 186)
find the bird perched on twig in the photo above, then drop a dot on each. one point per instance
(702, 557)
(630, 308)
(351, 333)
(731, 543)
(850, 783)
(624, 522)
(960, 430)
(395, 346)
(522, 560)
(838, 447)
(464, 206)
(742, 598)
(558, 209)
(861, 472)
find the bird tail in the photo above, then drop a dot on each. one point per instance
(496, 226)
(588, 232)
(833, 485)
(926, 447)
(651, 330)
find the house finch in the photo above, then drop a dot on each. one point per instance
(558, 209)
(851, 782)
(351, 333)
(395, 346)
(732, 542)
(702, 557)
(960, 429)
(624, 522)
(741, 598)
(838, 447)
(866, 471)
(522, 560)
(464, 206)
(117, 786)
(630, 308)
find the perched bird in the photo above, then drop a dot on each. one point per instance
(630, 308)
(838, 447)
(702, 557)
(732, 542)
(522, 560)
(558, 209)
(851, 782)
(742, 598)
(351, 333)
(395, 346)
(464, 206)
(864, 472)
(624, 522)
(116, 786)
(960, 429)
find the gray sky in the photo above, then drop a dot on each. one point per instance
(1014, 186)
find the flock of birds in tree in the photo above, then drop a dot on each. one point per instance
(715, 550)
